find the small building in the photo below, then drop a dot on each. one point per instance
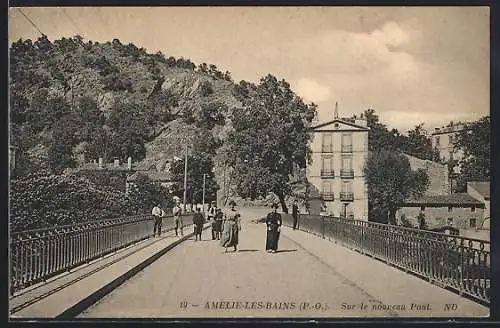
(443, 138)
(339, 152)
(481, 192)
(459, 210)
(106, 174)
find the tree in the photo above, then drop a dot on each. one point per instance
(198, 164)
(390, 182)
(269, 138)
(418, 144)
(475, 142)
(379, 137)
(145, 194)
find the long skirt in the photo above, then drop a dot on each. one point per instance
(230, 234)
(272, 240)
(217, 226)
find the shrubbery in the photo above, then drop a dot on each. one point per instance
(40, 201)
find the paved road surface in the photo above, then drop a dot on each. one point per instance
(253, 283)
(200, 272)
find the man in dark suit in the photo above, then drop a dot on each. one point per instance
(295, 214)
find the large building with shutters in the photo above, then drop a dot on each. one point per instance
(339, 152)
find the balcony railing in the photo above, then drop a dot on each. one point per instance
(347, 174)
(327, 174)
(37, 255)
(452, 262)
(327, 148)
(346, 196)
(346, 149)
(328, 196)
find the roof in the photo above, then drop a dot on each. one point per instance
(483, 188)
(94, 166)
(458, 199)
(364, 128)
(152, 175)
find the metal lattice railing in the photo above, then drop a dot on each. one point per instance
(37, 255)
(449, 261)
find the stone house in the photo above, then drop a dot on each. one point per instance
(339, 152)
(459, 210)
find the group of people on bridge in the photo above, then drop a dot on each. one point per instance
(225, 226)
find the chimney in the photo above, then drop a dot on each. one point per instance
(360, 121)
(336, 112)
(117, 162)
(129, 163)
(100, 162)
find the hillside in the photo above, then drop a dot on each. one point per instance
(113, 101)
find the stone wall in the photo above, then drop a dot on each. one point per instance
(438, 175)
(438, 216)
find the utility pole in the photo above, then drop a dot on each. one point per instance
(185, 176)
(204, 175)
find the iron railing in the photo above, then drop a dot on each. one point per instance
(346, 149)
(37, 255)
(327, 173)
(346, 196)
(347, 174)
(449, 261)
(328, 196)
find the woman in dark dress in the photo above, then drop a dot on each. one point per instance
(273, 223)
(198, 222)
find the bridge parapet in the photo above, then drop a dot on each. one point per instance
(37, 255)
(449, 261)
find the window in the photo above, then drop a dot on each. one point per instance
(346, 142)
(450, 221)
(437, 141)
(327, 187)
(327, 146)
(327, 165)
(346, 163)
(472, 223)
(346, 186)
(450, 208)
(473, 209)
(422, 208)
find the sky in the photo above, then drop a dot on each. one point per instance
(411, 64)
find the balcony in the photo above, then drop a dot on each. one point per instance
(347, 174)
(346, 149)
(346, 196)
(328, 196)
(327, 148)
(327, 174)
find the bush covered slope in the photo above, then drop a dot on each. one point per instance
(71, 98)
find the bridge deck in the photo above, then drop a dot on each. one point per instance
(306, 270)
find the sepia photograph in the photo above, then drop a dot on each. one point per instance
(249, 162)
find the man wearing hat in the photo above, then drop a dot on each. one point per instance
(177, 211)
(273, 223)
